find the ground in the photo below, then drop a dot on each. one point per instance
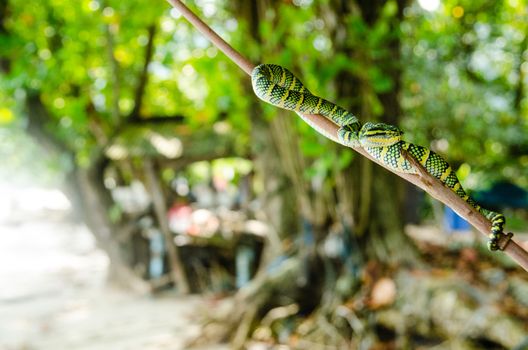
(53, 295)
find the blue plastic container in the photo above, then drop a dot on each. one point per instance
(453, 222)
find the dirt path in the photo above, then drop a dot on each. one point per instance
(53, 296)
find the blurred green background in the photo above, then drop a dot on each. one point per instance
(120, 118)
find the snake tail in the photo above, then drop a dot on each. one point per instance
(434, 164)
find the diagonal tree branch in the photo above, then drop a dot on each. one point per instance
(220, 43)
(143, 76)
(4, 62)
(115, 75)
(520, 89)
(328, 129)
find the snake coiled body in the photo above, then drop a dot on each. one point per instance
(279, 87)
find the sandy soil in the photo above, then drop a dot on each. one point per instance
(53, 296)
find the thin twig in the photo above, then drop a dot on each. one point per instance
(220, 43)
(324, 126)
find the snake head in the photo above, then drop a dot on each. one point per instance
(379, 135)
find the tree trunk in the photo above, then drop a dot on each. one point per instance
(88, 193)
(84, 187)
(377, 194)
(160, 208)
(279, 200)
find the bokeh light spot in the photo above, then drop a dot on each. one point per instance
(429, 5)
(458, 11)
(6, 116)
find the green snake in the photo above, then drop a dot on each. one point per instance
(279, 87)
